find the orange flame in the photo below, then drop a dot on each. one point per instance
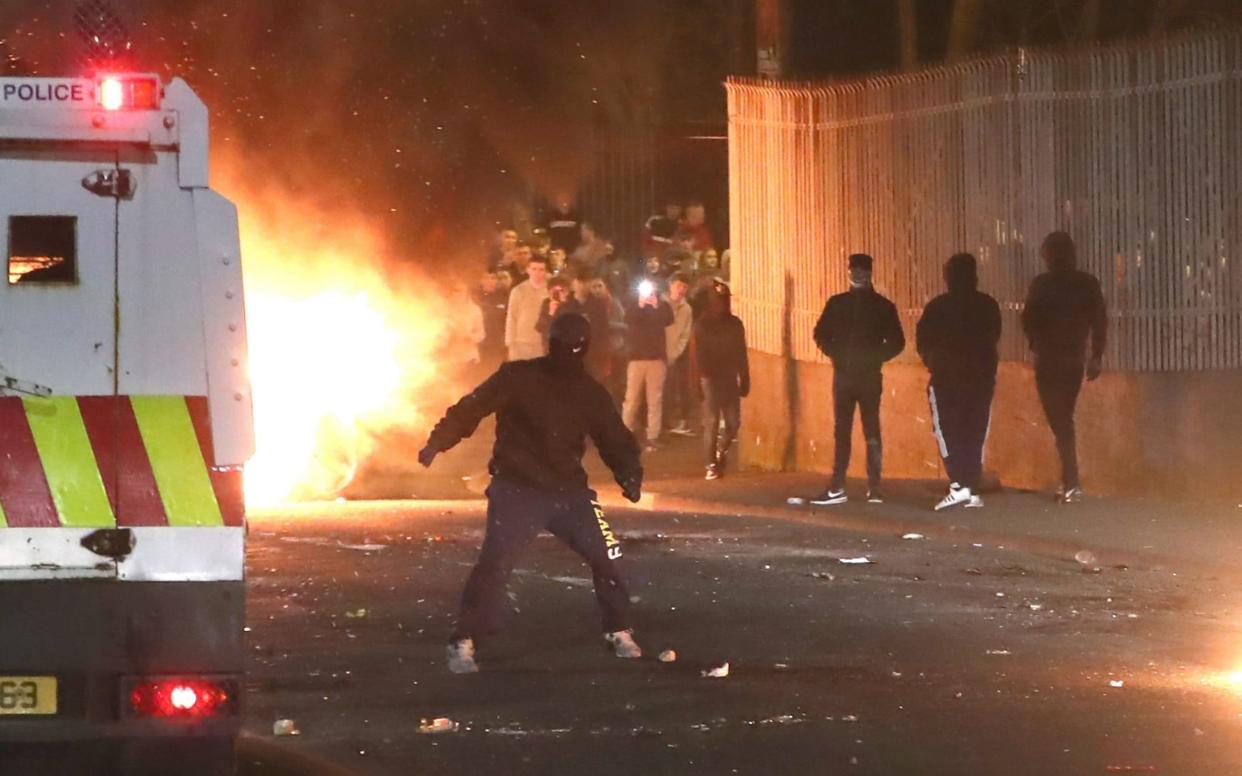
(337, 356)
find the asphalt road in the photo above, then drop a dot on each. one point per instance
(935, 658)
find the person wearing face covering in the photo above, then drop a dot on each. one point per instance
(957, 339)
(545, 408)
(1064, 310)
(859, 330)
(724, 375)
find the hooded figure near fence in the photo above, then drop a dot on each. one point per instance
(545, 408)
(957, 339)
(1064, 307)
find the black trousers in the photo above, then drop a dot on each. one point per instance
(863, 390)
(1058, 385)
(961, 413)
(720, 400)
(515, 516)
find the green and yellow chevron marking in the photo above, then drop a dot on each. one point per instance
(69, 462)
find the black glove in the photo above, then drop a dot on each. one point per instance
(632, 489)
(427, 455)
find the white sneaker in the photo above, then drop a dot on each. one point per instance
(681, 429)
(974, 503)
(956, 495)
(1071, 496)
(713, 472)
(461, 657)
(623, 644)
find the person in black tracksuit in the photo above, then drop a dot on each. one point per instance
(724, 375)
(1063, 307)
(545, 407)
(957, 338)
(859, 330)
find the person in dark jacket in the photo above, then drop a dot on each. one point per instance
(724, 375)
(494, 302)
(646, 317)
(957, 338)
(1064, 309)
(545, 408)
(859, 330)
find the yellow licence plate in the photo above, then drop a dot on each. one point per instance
(33, 695)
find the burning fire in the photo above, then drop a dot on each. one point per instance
(337, 356)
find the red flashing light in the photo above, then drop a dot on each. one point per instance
(182, 698)
(114, 92)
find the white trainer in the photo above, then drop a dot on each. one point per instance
(461, 657)
(623, 644)
(957, 495)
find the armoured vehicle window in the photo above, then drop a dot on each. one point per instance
(43, 249)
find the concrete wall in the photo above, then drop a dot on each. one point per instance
(1169, 434)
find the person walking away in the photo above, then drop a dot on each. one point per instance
(522, 338)
(564, 226)
(646, 317)
(1064, 309)
(957, 339)
(859, 330)
(677, 339)
(724, 376)
(545, 408)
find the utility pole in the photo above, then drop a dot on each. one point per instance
(771, 37)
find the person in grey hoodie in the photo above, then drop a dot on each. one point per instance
(522, 336)
(677, 338)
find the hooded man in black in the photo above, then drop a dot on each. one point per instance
(720, 352)
(957, 338)
(859, 330)
(1063, 307)
(545, 408)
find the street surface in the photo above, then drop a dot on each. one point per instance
(939, 657)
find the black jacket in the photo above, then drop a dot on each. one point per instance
(645, 339)
(859, 330)
(720, 350)
(1062, 307)
(958, 334)
(543, 415)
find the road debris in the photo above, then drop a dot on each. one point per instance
(1085, 557)
(998, 652)
(859, 561)
(716, 672)
(823, 575)
(362, 547)
(285, 727)
(795, 501)
(1116, 683)
(668, 656)
(913, 536)
(356, 614)
(437, 725)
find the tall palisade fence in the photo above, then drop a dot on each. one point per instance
(1135, 150)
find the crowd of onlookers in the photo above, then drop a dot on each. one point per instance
(663, 338)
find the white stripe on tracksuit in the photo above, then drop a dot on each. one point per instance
(936, 429)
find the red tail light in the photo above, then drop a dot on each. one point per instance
(180, 697)
(117, 92)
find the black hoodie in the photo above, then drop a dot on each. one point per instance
(545, 408)
(720, 345)
(1062, 307)
(959, 331)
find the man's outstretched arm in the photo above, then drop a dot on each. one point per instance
(464, 417)
(616, 446)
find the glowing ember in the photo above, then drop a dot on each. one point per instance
(337, 355)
